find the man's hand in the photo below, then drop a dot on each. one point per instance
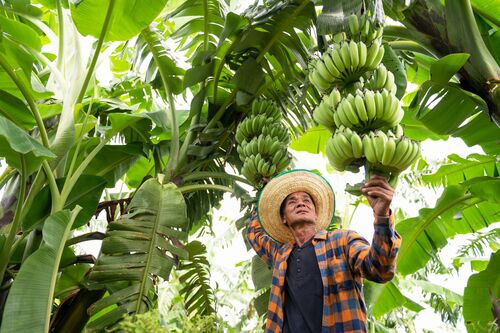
(379, 194)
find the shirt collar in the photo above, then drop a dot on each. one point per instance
(320, 235)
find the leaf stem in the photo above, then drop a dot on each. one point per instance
(60, 27)
(156, 49)
(90, 71)
(71, 181)
(29, 98)
(209, 174)
(204, 187)
(412, 238)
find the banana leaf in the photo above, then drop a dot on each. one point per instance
(129, 17)
(461, 209)
(29, 305)
(139, 247)
(478, 303)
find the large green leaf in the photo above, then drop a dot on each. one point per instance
(112, 161)
(29, 304)
(139, 246)
(128, 19)
(456, 212)
(86, 194)
(261, 273)
(477, 301)
(382, 298)
(15, 142)
(447, 109)
(475, 165)
(489, 9)
(446, 67)
(199, 297)
(312, 141)
(16, 110)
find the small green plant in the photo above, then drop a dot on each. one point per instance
(141, 323)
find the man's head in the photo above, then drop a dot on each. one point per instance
(298, 207)
(304, 196)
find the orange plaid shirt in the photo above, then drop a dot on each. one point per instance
(344, 259)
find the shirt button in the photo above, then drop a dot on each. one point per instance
(298, 260)
(298, 270)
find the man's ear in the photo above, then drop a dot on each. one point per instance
(283, 220)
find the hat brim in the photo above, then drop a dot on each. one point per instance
(286, 183)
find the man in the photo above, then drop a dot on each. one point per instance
(318, 275)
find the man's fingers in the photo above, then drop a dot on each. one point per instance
(377, 191)
(381, 182)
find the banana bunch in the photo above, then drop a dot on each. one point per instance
(363, 29)
(262, 142)
(368, 110)
(389, 151)
(343, 148)
(380, 79)
(344, 62)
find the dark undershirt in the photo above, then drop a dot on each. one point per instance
(303, 306)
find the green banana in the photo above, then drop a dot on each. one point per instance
(354, 55)
(350, 113)
(372, 54)
(402, 146)
(369, 99)
(368, 149)
(389, 149)
(324, 72)
(353, 24)
(381, 76)
(344, 144)
(379, 141)
(379, 105)
(378, 58)
(363, 52)
(337, 60)
(360, 108)
(319, 82)
(346, 56)
(330, 65)
(357, 145)
(334, 98)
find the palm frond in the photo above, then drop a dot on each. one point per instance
(477, 245)
(195, 276)
(139, 247)
(449, 313)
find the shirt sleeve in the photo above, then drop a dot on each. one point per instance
(263, 244)
(378, 261)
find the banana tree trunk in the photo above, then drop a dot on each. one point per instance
(452, 29)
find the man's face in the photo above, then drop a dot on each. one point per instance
(299, 208)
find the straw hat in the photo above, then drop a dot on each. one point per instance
(288, 182)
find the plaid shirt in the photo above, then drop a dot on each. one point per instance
(344, 259)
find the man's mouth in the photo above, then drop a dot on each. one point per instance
(302, 212)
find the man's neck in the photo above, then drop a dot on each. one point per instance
(302, 232)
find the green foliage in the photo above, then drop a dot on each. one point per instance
(146, 322)
(139, 247)
(195, 278)
(481, 291)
